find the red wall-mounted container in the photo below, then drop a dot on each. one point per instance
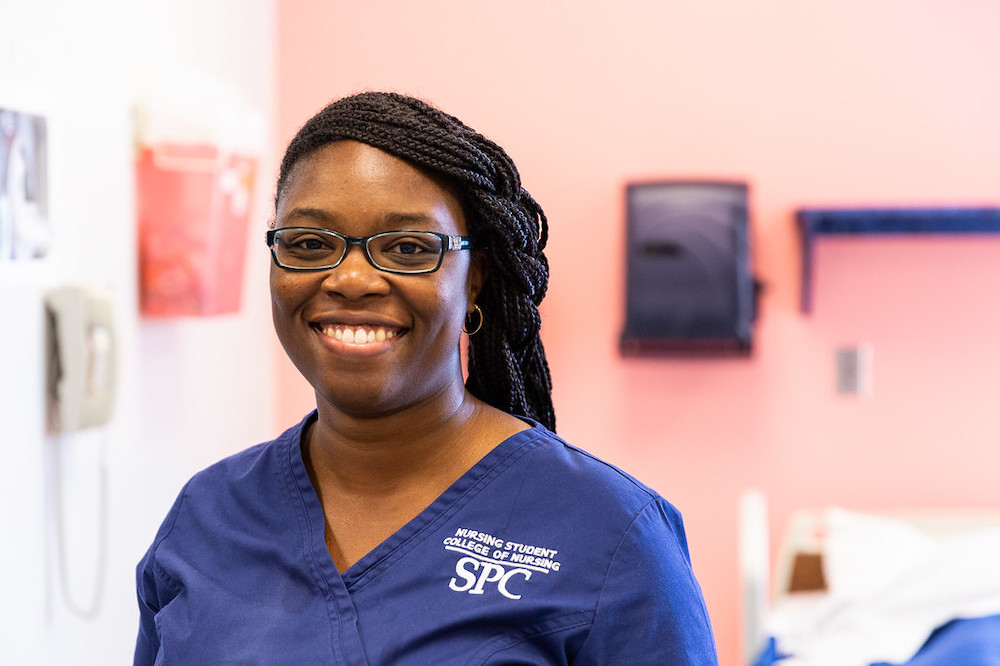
(194, 206)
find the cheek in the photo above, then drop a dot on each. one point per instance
(453, 296)
(285, 299)
(277, 295)
(286, 294)
(286, 287)
(453, 316)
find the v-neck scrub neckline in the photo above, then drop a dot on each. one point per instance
(384, 554)
(539, 554)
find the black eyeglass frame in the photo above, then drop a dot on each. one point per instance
(448, 244)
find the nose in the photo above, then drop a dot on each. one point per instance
(355, 277)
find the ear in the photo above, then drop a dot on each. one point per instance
(479, 270)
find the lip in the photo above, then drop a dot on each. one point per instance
(354, 319)
(381, 333)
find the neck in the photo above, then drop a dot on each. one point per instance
(379, 453)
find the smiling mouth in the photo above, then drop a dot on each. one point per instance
(359, 335)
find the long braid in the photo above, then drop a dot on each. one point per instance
(507, 364)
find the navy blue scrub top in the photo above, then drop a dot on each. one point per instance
(540, 554)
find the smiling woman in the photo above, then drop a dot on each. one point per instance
(359, 192)
(415, 516)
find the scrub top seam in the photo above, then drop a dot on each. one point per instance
(298, 501)
(611, 560)
(547, 627)
(158, 569)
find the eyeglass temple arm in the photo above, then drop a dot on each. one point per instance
(459, 243)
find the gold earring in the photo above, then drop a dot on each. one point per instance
(478, 326)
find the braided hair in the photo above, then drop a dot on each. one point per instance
(507, 364)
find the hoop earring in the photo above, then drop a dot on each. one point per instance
(478, 326)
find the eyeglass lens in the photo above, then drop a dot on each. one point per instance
(395, 250)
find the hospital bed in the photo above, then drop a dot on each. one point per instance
(920, 588)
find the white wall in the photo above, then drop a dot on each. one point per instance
(191, 390)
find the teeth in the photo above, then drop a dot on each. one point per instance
(359, 335)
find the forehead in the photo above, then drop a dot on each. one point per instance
(349, 177)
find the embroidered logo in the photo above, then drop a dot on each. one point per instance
(489, 562)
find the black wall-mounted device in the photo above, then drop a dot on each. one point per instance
(689, 280)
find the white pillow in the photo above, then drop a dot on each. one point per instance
(864, 552)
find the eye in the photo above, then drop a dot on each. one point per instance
(311, 244)
(406, 250)
(412, 244)
(407, 247)
(303, 242)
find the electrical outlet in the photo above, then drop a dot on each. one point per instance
(854, 370)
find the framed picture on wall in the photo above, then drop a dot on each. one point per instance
(25, 225)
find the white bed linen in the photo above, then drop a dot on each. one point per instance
(890, 586)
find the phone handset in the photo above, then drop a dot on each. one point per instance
(81, 358)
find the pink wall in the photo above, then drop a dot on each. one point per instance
(841, 103)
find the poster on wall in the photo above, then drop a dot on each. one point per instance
(25, 227)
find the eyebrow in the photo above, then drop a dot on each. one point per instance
(397, 218)
(317, 214)
(390, 220)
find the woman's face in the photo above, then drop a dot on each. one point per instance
(368, 341)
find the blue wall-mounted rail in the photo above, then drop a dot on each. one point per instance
(813, 222)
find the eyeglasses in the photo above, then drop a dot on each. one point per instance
(402, 252)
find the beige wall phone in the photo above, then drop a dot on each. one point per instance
(81, 358)
(80, 381)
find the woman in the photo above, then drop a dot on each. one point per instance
(414, 517)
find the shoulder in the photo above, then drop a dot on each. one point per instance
(232, 488)
(618, 543)
(563, 494)
(650, 607)
(562, 469)
(250, 467)
(244, 467)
